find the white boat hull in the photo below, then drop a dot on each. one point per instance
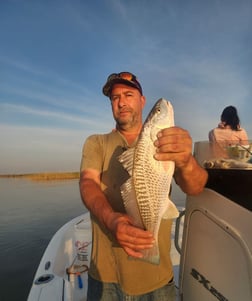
(51, 281)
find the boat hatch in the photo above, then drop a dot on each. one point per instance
(45, 278)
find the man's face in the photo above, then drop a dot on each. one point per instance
(127, 105)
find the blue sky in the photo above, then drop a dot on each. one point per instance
(56, 55)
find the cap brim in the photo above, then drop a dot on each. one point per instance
(108, 86)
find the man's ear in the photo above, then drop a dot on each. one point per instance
(143, 99)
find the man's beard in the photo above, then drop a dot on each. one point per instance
(126, 123)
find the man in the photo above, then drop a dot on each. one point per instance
(112, 274)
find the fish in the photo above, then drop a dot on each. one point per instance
(146, 192)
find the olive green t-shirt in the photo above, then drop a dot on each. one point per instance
(109, 262)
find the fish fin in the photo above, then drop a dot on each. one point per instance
(126, 158)
(171, 211)
(130, 203)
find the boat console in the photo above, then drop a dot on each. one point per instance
(216, 253)
(216, 256)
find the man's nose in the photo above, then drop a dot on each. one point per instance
(122, 101)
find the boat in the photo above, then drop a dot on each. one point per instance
(229, 174)
(62, 272)
(211, 251)
(216, 253)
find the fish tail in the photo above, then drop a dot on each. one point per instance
(151, 255)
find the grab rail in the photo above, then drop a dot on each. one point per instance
(177, 231)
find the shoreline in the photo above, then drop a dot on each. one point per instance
(45, 176)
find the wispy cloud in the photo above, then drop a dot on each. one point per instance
(87, 121)
(44, 113)
(36, 73)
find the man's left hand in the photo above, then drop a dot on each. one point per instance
(174, 144)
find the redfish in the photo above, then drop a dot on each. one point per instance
(146, 193)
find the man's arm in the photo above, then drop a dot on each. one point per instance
(93, 197)
(191, 178)
(175, 144)
(132, 239)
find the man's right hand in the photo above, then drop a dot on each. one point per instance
(132, 239)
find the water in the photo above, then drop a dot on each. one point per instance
(31, 212)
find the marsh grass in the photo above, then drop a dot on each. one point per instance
(47, 176)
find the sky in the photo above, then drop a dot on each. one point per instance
(55, 56)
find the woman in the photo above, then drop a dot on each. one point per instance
(229, 128)
(229, 132)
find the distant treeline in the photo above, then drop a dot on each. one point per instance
(45, 176)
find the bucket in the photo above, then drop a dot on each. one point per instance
(83, 241)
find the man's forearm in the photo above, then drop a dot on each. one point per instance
(191, 178)
(95, 200)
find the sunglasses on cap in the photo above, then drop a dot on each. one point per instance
(124, 75)
(126, 78)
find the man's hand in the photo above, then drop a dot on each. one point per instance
(174, 144)
(131, 238)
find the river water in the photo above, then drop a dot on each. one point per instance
(31, 212)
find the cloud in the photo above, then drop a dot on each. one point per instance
(47, 114)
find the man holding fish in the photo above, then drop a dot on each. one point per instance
(125, 182)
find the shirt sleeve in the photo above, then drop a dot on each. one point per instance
(244, 136)
(92, 153)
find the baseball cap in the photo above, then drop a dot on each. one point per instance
(125, 78)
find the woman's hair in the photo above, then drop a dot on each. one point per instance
(230, 117)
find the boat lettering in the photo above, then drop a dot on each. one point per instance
(207, 285)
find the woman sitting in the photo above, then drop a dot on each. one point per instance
(228, 133)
